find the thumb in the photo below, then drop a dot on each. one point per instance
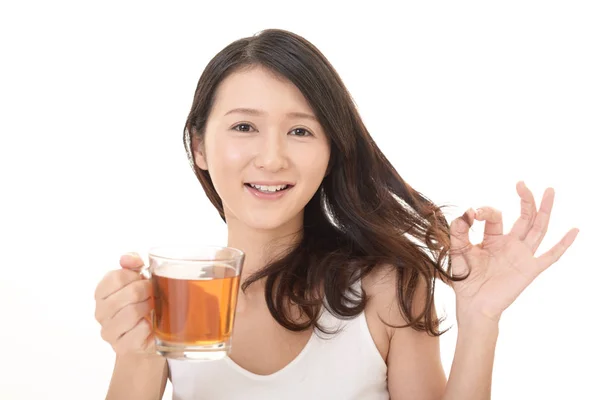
(131, 261)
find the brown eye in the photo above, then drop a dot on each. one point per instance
(300, 132)
(243, 128)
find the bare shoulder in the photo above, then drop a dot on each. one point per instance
(381, 288)
(382, 310)
(412, 356)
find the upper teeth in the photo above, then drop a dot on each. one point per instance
(264, 188)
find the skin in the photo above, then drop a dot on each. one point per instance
(279, 141)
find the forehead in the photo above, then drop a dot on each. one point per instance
(260, 88)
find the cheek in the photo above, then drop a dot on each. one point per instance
(226, 159)
(224, 153)
(314, 162)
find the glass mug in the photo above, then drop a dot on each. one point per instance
(195, 291)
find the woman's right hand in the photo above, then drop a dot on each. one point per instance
(123, 305)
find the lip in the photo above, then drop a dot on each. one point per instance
(268, 196)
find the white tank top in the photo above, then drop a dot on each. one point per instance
(345, 366)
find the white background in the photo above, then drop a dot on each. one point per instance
(464, 98)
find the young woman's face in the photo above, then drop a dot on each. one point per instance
(264, 149)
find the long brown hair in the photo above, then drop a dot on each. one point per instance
(363, 215)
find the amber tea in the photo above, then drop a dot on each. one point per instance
(194, 309)
(194, 295)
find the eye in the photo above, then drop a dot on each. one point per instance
(300, 132)
(243, 128)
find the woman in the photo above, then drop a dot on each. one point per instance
(341, 254)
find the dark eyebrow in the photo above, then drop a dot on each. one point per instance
(249, 111)
(258, 113)
(302, 115)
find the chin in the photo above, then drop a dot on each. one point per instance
(269, 221)
(269, 224)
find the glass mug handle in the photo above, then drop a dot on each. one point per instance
(144, 272)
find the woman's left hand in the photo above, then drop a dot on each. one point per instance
(502, 265)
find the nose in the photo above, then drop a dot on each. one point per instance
(271, 155)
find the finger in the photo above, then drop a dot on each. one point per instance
(124, 321)
(135, 292)
(459, 231)
(136, 339)
(493, 222)
(556, 252)
(528, 212)
(114, 281)
(542, 219)
(131, 261)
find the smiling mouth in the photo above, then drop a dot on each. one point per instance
(268, 189)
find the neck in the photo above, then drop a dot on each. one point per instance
(262, 245)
